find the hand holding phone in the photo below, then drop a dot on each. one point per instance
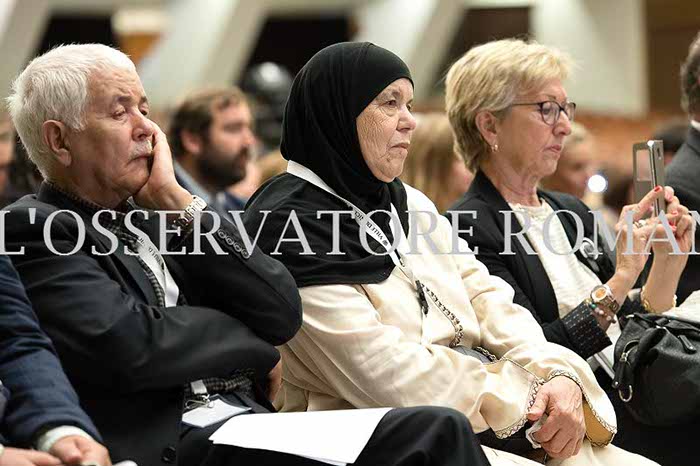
(649, 171)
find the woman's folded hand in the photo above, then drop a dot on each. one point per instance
(562, 434)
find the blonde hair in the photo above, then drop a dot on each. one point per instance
(430, 158)
(490, 77)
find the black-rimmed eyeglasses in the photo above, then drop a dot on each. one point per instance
(550, 110)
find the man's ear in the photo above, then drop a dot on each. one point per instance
(191, 142)
(486, 124)
(55, 134)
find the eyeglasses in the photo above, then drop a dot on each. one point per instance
(550, 110)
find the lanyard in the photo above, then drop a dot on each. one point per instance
(360, 217)
(148, 252)
(373, 229)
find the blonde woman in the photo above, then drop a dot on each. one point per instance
(511, 116)
(433, 166)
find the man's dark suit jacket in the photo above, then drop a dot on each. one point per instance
(524, 272)
(683, 174)
(127, 357)
(36, 393)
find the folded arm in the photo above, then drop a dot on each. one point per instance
(108, 338)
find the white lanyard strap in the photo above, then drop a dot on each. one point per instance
(361, 218)
(148, 252)
(373, 229)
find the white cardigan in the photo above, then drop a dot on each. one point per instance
(361, 346)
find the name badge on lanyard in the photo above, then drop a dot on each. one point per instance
(372, 229)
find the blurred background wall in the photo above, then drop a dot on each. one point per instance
(628, 51)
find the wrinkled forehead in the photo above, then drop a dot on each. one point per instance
(106, 86)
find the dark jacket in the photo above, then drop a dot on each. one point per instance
(534, 291)
(526, 274)
(128, 358)
(36, 394)
(683, 174)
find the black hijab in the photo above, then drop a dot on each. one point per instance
(320, 132)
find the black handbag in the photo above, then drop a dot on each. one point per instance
(657, 368)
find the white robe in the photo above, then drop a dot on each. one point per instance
(368, 346)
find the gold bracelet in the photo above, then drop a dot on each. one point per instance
(647, 306)
(599, 311)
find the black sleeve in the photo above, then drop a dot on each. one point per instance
(251, 286)
(565, 332)
(108, 339)
(689, 197)
(586, 336)
(40, 394)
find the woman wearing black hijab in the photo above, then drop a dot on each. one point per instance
(380, 329)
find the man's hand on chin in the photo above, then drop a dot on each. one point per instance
(76, 450)
(162, 191)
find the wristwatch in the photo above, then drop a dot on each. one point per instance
(602, 296)
(197, 205)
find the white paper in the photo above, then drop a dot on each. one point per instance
(216, 411)
(333, 437)
(533, 429)
(690, 309)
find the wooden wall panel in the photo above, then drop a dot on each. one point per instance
(671, 27)
(137, 45)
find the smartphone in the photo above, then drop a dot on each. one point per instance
(648, 171)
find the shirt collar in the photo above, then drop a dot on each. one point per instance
(191, 184)
(91, 208)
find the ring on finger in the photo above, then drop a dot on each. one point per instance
(639, 223)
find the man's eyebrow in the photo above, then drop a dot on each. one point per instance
(127, 99)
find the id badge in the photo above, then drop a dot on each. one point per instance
(218, 409)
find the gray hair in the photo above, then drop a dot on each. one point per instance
(54, 86)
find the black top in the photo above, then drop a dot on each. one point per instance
(683, 174)
(320, 132)
(578, 330)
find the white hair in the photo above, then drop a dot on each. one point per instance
(54, 86)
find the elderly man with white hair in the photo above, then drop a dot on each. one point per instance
(148, 331)
(134, 327)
